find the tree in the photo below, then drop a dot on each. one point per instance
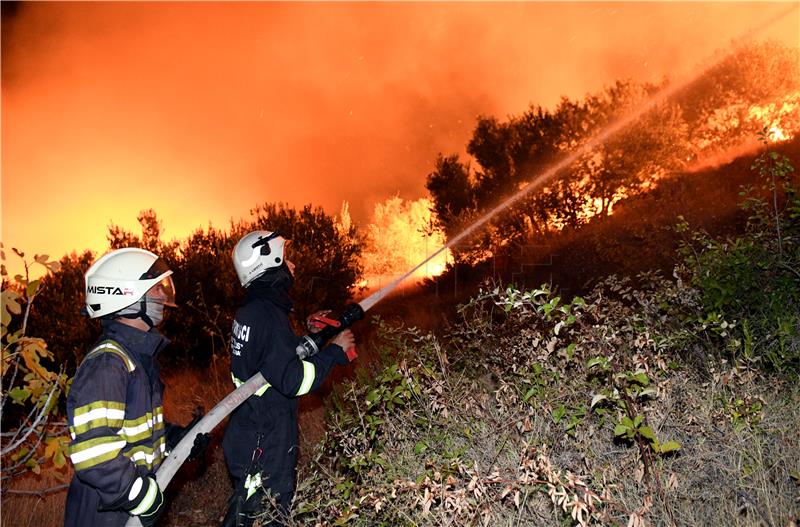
(31, 384)
(57, 317)
(400, 236)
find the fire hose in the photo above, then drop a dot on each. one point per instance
(309, 345)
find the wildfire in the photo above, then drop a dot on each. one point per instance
(782, 118)
(776, 135)
(398, 238)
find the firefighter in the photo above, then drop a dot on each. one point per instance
(260, 441)
(114, 407)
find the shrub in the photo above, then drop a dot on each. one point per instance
(753, 281)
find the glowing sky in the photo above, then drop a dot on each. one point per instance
(203, 110)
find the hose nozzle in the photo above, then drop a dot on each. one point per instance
(311, 344)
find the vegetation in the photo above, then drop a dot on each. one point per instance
(729, 104)
(32, 384)
(647, 400)
(325, 251)
(670, 403)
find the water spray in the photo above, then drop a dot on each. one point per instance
(313, 342)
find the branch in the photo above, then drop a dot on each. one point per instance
(791, 269)
(33, 450)
(40, 493)
(42, 415)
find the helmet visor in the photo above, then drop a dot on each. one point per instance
(163, 291)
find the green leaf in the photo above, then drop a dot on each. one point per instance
(597, 361)
(647, 433)
(420, 447)
(648, 391)
(670, 446)
(373, 396)
(637, 420)
(530, 393)
(22, 452)
(620, 430)
(627, 422)
(32, 288)
(641, 378)
(19, 395)
(59, 460)
(559, 413)
(10, 305)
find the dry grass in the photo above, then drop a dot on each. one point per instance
(31, 510)
(463, 446)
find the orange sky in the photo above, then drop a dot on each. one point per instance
(203, 110)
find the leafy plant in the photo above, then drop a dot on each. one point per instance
(32, 387)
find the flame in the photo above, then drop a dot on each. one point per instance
(781, 118)
(398, 238)
(776, 135)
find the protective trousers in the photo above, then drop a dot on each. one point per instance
(262, 462)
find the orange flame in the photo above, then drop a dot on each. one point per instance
(400, 236)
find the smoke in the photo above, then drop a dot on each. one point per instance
(203, 110)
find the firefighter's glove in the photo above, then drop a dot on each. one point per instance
(146, 500)
(174, 434)
(319, 320)
(201, 442)
(347, 341)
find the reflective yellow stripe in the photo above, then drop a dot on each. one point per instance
(259, 392)
(309, 374)
(149, 498)
(95, 415)
(91, 452)
(110, 346)
(252, 484)
(147, 455)
(140, 428)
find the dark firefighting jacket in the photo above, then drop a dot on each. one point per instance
(116, 422)
(263, 341)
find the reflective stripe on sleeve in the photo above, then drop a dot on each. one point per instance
(148, 500)
(309, 374)
(137, 429)
(148, 456)
(97, 414)
(92, 452)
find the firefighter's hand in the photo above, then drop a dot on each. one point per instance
(347, 341)
(319, 320)
(201, 442)
(146, 500)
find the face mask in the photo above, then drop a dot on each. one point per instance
(155, 310)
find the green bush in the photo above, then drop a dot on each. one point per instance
(753, 281)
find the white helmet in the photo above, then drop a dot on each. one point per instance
(123, 276)
(256, 253)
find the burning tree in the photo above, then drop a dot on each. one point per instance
(400, 236)
(756, 86)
